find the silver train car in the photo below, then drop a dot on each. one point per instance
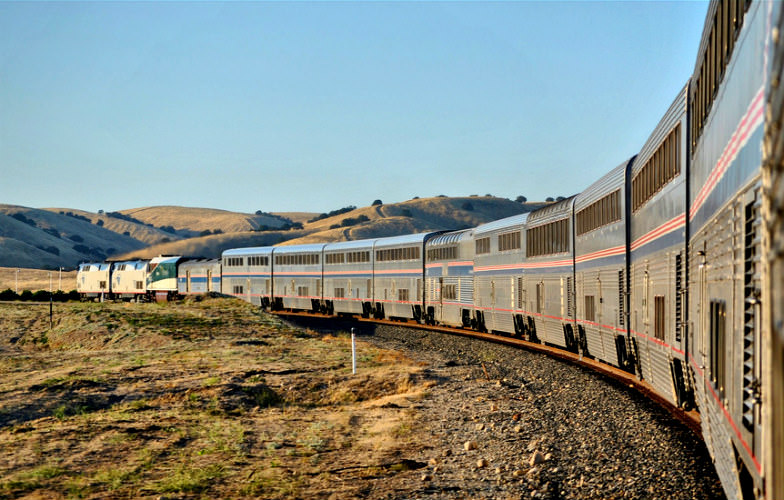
(348, 278)
(658, 256)
(600, 266)
(549, 274)
(298, 277)
(199, 276)
(726, 105)
(398, 287)
(449, 279)
(499, 276)
(247, 274)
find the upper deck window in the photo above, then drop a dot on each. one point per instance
(509, 241)
(662, 167)
(548, 238)
(483, 245)
(442, 253)
(724, 29)
(389, 254)
(599, 213)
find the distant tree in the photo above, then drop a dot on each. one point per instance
(217, 231)
(76, 238)
(259, 212)
(52, 250)
(441, 196)
(468, 206)
(406, 213)
(165, 240)
(560, 198)
(26, 295)
(206, 232)
(488, 195)
(8, 294)
(549, 198)
(415, 198)
(521, 199)
(54, 232)
(169, 229)
(474, 196)
(296, 225)
(126, 233)
(376, 202)
(99, 223)
(100, 212)
(335, 226)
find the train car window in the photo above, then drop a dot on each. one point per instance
(658, 317)
(237, 289)
(716, 55)
(662, 167)
(590, 310)
(402, 295)
(718, 344)
(340, 293)
(483, 245)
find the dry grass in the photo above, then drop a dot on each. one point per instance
(36, 279)
(205, 399)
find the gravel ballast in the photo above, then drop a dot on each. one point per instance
(507, 423)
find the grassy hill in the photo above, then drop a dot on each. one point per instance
(54, 237)
(198, 220)
(38, 238)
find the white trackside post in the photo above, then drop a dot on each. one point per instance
(353, 353)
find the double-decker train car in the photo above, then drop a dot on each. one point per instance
(399, 265)
(657, 263)
(129, 280)
(499, 275)
(297, 277)
(726, 105)
(198, 276)
(600, 266)
(247, 274)
(549, 274)
(449, 279)
(348, 278)
(94, 280)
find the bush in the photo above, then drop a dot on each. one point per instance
(406, 213)
(549, 198)
(99, 223)
(376, 202)
(8, 294)
(76, 238)
(467, 206)
(521, 199)
(41, 296)
(54, 232)
(26, 295)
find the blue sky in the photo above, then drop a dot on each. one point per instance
(299, 106)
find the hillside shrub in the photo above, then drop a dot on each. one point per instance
(467, 206)
(8, 294)
(26, 295)
(76, 238)
(54, 232)
(333, 213)
(22, 218)
(376, 202)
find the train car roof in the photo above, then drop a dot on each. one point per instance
(309, 248)
(349, 245)
(609, 182)
(169, 259)
(406, 239)
(505, 223)
(550, 213)
(232, 252)
(450, 237)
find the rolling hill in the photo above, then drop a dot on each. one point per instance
(59, 237)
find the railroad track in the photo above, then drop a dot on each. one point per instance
(690, 419)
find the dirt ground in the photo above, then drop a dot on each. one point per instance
(199, 399)
(36, 279)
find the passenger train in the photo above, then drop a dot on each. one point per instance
(670, 266)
